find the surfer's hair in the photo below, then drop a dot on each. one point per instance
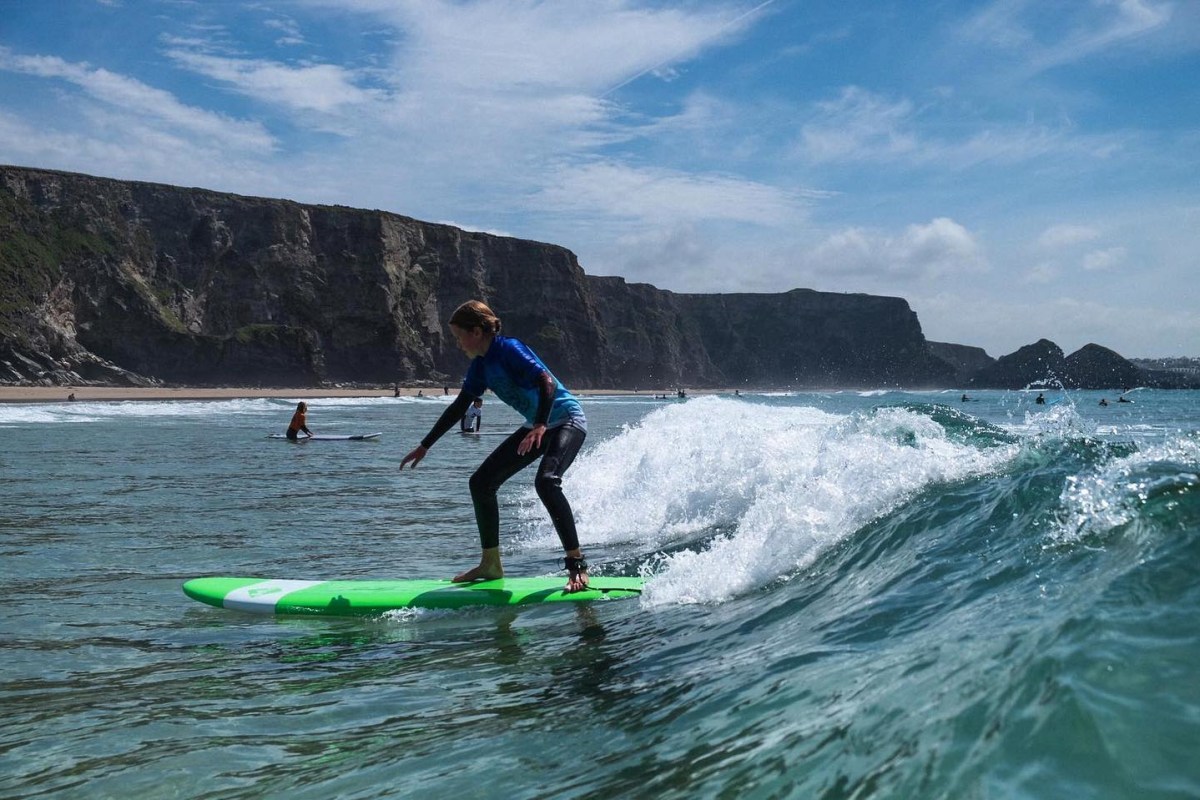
(475, 314)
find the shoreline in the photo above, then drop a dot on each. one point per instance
(61, 394)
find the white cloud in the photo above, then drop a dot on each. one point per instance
(1013, 143)
(1103, 260)
(1131, 20)
(501, 95)
(932, 251)
(658, 196)
(1049, 34)
(1066, 235)
(1041, 274)
(134, 150)
(289, 29)
(143, 102)
(320, 87)
(543, 47)
(941, 247)
(858, 124)
(862, 126)
(660, 255)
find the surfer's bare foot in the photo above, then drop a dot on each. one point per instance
(577, 575)
(489, 568)
(478, 574)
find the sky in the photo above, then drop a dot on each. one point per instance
(1014, 169)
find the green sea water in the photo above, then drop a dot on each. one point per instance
(849, 595)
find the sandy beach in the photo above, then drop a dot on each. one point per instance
(59, 394)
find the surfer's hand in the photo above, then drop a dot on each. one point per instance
(532, 440)
(415, 456)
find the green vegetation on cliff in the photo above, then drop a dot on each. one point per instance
(33, 248)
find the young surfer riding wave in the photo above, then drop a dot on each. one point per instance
(554, 430)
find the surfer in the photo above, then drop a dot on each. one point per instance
(554, 430)
(299, 422)
(1040, 399)
(473, 419)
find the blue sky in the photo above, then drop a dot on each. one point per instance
(1015, 169)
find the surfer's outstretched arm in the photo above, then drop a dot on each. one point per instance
(445, 422)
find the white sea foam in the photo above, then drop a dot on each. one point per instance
(1098, 502)
(41, 414)
(1058, 421)
(84, 411)
(736, 495)
(273, 407)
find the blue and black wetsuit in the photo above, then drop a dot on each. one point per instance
(517, 376)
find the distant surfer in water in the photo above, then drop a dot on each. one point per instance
(554, 430)
(299, 422)
(472, 421)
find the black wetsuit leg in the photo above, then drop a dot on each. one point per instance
(559, 448)
(291, 434)
(559, 455)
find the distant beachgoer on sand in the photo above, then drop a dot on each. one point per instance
(396, 390)
(1041, 399)
(71, 396)
(299, 422)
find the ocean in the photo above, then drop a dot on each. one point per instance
(849, 595)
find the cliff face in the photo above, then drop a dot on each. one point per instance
(1032, 364)
(1096, 367)
(807, 338)
(1090, 367)
(965, 360)
(191, 286)
(115, 281)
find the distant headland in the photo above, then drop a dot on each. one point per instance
(124, 283)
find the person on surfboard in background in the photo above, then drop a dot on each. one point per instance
(473, 419)
(299, 422)
(554, 430)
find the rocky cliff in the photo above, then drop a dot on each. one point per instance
(965, 360)
(115, 281)
(1043, 363)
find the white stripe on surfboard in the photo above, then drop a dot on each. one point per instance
(263, 596)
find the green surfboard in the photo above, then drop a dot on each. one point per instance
(353, 598)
